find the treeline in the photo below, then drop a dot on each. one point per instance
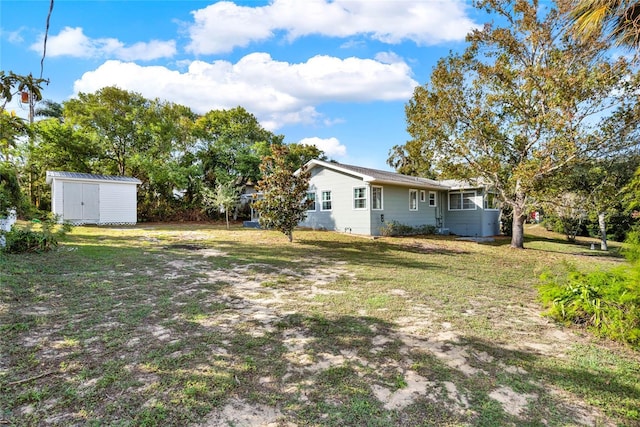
(178, 155)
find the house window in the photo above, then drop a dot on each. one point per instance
(376, 198)
(468, 200)
(311, 201)
(462, 200)
(423, 196)
(413, 200)
(432, 199)
(491, 201)
(360, 198)
(326, 201)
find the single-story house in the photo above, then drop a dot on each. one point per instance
(82, 198)
(361, 200)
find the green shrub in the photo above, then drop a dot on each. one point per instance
(10, 195)
(21, 240)
(553, 223)
(607, 302)
(506, 220)
(632, 249)
(394, 228)
(618, 226)
(569, 226)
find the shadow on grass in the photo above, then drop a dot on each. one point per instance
(157, 349)
(172, 352)
(614, 389)
(560, 246)
(322, 252)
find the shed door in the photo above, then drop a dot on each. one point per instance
(80, 202)
(91, 202)
(72, 201)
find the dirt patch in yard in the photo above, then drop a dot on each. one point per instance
(252, 305)
(238, 413)
(253, 342)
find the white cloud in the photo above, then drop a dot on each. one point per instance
(331, 146)
(223, 26)
(13, 37)
(353, 44)
(73, 42)
(388, 58)
(277, 92)
(145, 51)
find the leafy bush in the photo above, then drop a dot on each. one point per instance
(394, 228)
(632, 250)
(607, 302)
(618, 226)
(506, 220)
(10, 195)
(553, 223)
(21, 240)
(618, 223)
(569, 226)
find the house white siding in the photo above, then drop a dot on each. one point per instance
(410, 201)
(93, 199)
(478, 222)
(342, 216)
(118, 204)
(491, 223)
(396, 208)
(56, 197)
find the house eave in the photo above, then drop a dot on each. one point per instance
(334, 166)
(416, 184)
(420, 183)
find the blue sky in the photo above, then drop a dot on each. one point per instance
(333, 73)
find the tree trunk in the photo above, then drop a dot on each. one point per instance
(517, 230)
(603, 231)
(290, 236)
(517, 227)
(226, 214)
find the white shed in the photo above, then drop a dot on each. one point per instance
(82, 198)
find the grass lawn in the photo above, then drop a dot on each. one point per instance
(176, 325)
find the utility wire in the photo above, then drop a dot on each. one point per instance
(46, 34)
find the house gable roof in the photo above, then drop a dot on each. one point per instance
(375, 176)
(458, 184)
(78, 176)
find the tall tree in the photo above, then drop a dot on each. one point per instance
(11, 84)
(299, 154)
(524, 101)
(616, 20)
(12, 128)
(116, 120)
(49, 109)
(602, 183)
(57, 146)
(163, 168)
(284, 192)
(409, 159)
(230, 144)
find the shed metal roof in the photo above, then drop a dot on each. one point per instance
(78, 176)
